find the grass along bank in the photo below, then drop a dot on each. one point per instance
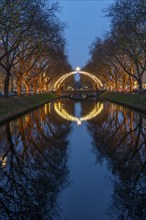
(16, 106)
(135, 101)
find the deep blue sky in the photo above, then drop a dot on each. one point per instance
(86, 21)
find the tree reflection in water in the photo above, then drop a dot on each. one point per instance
(33, 169)
(34, 154)
(119, 135)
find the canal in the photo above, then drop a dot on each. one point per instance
(71, 160)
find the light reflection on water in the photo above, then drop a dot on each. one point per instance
(60, 110)
(84, 161)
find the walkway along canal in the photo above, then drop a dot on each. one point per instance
(76, 161)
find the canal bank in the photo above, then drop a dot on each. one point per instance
(16, 106)
(135, 101)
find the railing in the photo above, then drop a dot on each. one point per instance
(68, 93)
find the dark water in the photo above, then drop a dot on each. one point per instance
(74, 161)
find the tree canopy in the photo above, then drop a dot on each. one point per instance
(32, 45)
(119, 57)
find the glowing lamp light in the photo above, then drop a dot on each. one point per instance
(78, 69)
(4, 161)
(79, 122)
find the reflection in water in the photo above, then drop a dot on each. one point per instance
(34, 162)
(125, 149)
(33, 165)
(59, 108)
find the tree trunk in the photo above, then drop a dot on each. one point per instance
(27, 89)
(123, 85)
(47, 87)
(140, 86)
(39, 89)
(19, 87)
(117, 85)
(43, 88)
(109, 85)
(6, 86)
(131, 84)
(34, 87)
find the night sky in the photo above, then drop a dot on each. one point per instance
(85, 21)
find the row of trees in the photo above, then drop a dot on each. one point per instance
(119, 58)
(32, 46)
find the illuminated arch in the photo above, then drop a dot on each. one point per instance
(65, 115)
(62, 78)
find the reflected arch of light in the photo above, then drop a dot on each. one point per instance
(62, 78)
(65, 115)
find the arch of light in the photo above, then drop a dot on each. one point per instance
(62, 78)
(65, 115)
